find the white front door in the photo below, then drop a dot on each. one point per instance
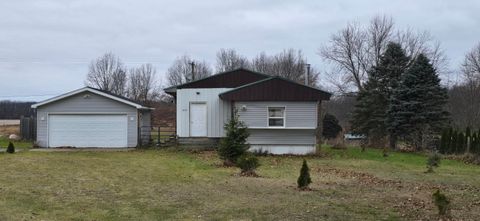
(198, 120)
(87, 130)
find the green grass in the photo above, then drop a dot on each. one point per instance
(172, 185)
(18, 144)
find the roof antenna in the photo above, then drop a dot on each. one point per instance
(193, 70)
(307, 74)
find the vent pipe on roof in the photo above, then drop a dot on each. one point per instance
(307, 74)
(193, 70)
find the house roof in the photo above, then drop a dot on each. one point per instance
(275, 89)
(228, 79)
(103, 93)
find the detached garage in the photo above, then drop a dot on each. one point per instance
(91, 118)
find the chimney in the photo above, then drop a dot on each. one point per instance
(307, 74)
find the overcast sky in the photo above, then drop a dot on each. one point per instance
(46, 45)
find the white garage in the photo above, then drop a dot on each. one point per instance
(91, 118)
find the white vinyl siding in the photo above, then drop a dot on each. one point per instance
(286, 136)
(300, 115)
(91, 104)
(218, 111)
(297, 136)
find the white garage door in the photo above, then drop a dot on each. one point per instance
(87, 130)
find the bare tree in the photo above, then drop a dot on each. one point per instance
(354, 50)
(143, 86)
(229, 59)
(107, 73)
(349, 52)
(464, 98)
(180, 71)
(290, 64)
(262, 63)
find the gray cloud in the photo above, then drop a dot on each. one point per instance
(46, 45)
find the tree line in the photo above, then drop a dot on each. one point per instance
(15, 109)
(289, 63)
(460, 142)
(109, 73)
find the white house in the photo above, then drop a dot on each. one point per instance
(281, 115)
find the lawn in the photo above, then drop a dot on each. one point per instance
(18, 144)
(167, 184)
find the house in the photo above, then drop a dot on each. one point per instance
(281, 115)
(90, 117)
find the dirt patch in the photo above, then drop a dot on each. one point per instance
(362, 178)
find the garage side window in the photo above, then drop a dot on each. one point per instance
(276, 116)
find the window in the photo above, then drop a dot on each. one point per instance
(276, 116)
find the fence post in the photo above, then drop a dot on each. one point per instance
(158, 136)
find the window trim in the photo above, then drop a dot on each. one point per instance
(284, 116)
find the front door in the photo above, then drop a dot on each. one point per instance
(198, 120)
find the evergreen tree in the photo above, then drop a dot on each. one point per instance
(460, 143)
(450, 141)
(467, 138)
(234, 144)
(417, 104)
(443, 141)
(370, 114)
(453, 142)
(304, 179)
(473, 142)
(331, 127)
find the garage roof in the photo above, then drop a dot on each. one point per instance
(95, 91)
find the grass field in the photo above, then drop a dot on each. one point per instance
(18, 144)
(167, 184)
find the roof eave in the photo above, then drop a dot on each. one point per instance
(74, 92)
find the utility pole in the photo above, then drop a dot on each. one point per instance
(193, 70)
(307, 75)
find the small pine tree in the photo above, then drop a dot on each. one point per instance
(453, 142)
(304, 179)
(442, 203)
(443, 141)
(10, 148)
(234, 144)
(468, 137)
(460, 143)
(248, 163)
(473, 142)
(433, 161)
(449, 141)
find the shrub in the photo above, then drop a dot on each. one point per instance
(261, 152)
(304, 179)
(248, 162)
(233, 145)
(433, 161)
(442, 203)
(10, 148)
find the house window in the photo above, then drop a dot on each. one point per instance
(276, 116)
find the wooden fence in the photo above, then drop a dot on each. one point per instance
(28, 129)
